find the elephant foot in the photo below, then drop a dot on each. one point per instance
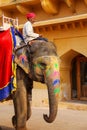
(14, 121)
(0, 128)
(22, 128)
(29, 111)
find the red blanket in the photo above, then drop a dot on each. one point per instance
(6, 74)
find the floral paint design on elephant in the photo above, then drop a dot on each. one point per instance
(51, 72)
(21, 60)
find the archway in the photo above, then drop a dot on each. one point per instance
(79, 78)
(73, 72)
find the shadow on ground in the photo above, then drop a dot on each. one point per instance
(6, 128)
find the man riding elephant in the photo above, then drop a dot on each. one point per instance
(28, 32)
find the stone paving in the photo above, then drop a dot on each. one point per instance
(66, 119)
(71, 115)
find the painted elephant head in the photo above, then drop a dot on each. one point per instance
(40, 62)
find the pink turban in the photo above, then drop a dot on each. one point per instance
(30, 15)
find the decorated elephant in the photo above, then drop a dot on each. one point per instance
(37, 61)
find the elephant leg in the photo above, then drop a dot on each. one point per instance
(29, 86)
(20, 103)
(0, 128)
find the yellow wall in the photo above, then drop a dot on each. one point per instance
(69, 44)
(5, 1)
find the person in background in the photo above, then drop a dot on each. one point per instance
(28, 32)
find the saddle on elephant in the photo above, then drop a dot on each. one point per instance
(7, 67)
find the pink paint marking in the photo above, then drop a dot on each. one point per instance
(23, 57)
(55, 74)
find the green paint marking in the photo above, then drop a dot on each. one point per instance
(37, 65)
(56, 65)
(57, 90)
(47, 73)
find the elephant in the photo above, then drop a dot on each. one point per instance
(35, 61)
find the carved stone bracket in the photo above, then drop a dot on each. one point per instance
(85, 2)
(22, 9)
(62, 26)
(50, 6)
(71, 5)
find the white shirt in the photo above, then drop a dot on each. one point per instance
(28, 32)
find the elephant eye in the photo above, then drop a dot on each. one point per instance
(43, 65)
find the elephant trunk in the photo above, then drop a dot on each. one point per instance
(52, 80)
(53, 104)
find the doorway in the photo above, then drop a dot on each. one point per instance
(79, 78)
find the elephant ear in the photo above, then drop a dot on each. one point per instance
(21, 59)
